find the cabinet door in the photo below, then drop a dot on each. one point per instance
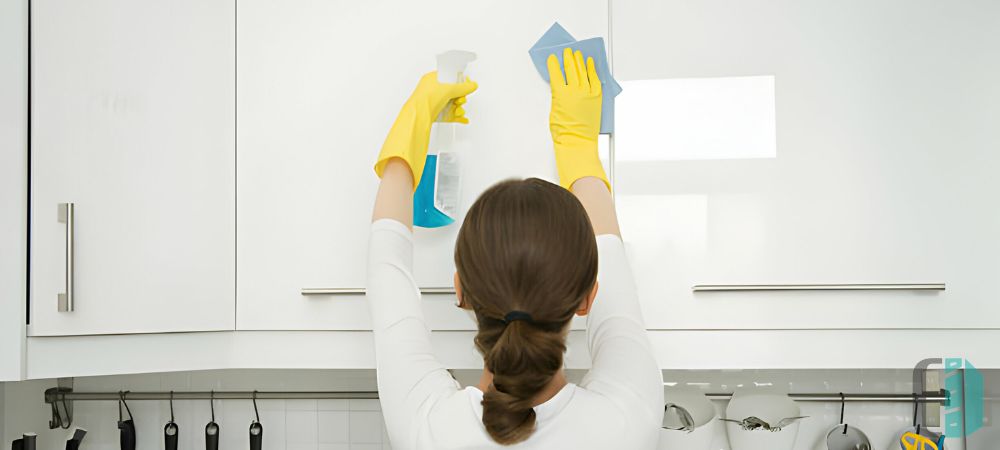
(885, 170)
(133, 123)
(320, 83)
(13, 185)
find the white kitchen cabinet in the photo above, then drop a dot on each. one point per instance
(132, 121)
(319, 84)
(885, 169)
(13, 185)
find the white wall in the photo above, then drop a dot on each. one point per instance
(13, 184)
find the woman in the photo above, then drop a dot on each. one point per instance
(527, 261)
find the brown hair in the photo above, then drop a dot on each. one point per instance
(526, 245)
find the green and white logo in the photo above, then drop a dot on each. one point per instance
(964, 410)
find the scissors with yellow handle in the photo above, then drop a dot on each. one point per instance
(913, 441)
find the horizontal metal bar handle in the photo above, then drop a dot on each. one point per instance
(820, 287)
(66, 215)
(361, 291)
(929, 397)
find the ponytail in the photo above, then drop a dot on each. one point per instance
(523, 361)
(526, 258)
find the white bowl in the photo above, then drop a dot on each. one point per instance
(705, 421)
(699, 439)
(768, 407)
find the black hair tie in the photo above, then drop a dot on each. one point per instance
(517, 315)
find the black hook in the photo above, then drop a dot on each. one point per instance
(69, 416)
(916, 406)
(843, 405)
(121, 401)
(56, 421)
(126, 428)
(255, 412)
(58, 396)
(171, 430)
(212, 429)
(256, 429)
(60, 419)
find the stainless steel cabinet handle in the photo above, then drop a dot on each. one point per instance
(820, 287)
(357, 291)
(66, 216)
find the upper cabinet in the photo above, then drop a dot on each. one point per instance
(885, 169)
(320, 83)
(13, 184)
(132, 166)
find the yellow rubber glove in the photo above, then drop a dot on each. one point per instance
(409, 135)
(575, 118)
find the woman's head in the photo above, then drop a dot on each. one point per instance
(525, 246)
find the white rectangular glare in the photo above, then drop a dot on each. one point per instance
(695, 118)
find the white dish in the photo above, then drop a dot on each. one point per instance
(771, 408)
(706, 424)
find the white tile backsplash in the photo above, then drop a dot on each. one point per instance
(288, 424)
(334, 447)
(333, 427)
(301, 427)
(365, 405)
(332, 405)
(365, 427)
(301, 405)
(358, 424)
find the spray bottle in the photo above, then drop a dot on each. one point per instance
(435, 202)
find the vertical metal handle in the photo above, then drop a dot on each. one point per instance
(66, 216)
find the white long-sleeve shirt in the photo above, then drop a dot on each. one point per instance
(618, 405)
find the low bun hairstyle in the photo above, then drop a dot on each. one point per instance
(525, 245)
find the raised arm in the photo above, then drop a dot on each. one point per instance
(624, 368)
(596, 199)
(410, 378)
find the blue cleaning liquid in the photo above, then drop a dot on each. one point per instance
(424, 213)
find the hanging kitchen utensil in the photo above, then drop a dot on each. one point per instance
(688, 420)
(917, 429)
(679, 417)
(75, 439)
(762, 419)
(171, 430)
(212, 429)
(27, 442)
(846, 437)
(256, 429)
(59, 419)
(913, 441)
(126, 428)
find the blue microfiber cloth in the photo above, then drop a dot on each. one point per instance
(557, 39)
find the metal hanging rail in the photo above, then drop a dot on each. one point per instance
(61, 399)
(55, 395)
(52, 395)
(927, 397)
